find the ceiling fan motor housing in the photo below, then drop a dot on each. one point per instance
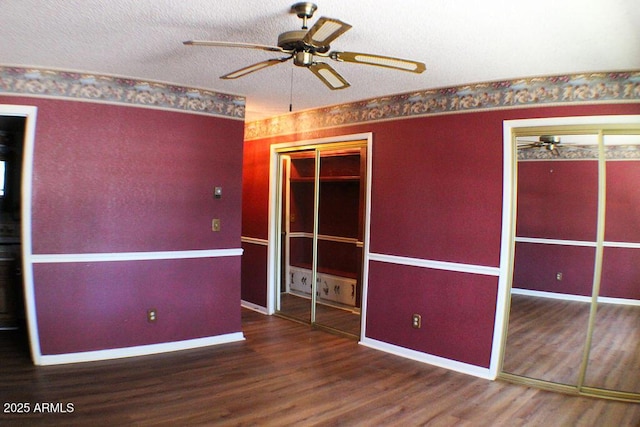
(292, 40)
(550, 139)
(302, 52)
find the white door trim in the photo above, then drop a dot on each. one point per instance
(272, 255)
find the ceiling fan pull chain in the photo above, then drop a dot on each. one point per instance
(291, 92)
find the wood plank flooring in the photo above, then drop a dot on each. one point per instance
(340, 319)
(284, 373)
(614, 361)
(546, 339)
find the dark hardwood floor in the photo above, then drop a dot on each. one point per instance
(340, 319)
(285, 373)
(546, 339)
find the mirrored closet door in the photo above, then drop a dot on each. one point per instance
(321, 234)
(614, 356)
(297, 204)
(574, 316)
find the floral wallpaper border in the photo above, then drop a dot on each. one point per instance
(618, 86)
(622, 152)
(120, 90)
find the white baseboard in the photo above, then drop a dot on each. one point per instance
(440, 362)
(142, 350)
(551, 295)
(570, 297)
(255, 307)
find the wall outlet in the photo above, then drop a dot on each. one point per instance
(152, 315)
(559, 276)
(217, 192)
(416, 321)
(215, 224)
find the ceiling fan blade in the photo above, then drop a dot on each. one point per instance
(528, 146)
(329, 76)
(324, 31)
(234, 44)
(255, 67)
(379, 60)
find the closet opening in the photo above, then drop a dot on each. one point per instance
(321, 228)
(12, 131)
(17, 133)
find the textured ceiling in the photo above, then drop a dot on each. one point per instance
(461, 42)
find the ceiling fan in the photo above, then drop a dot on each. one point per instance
(305, 45)
(553, 143)
(549, 142)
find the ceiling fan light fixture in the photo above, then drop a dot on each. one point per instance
(303, 59)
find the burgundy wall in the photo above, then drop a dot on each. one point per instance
(457, 311)
(556, 200)
(559, 200)
(102, 305)
(621, 266)
(536, 266)
(621, 273)
(114, 178)
(623, 201)
(255, 188)
(436, 195)
(437, 187)
(110, 178)
(254, 273)
(255, 221)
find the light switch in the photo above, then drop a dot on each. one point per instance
(217, 192)
(215, 224)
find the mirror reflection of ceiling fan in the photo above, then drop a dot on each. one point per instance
(553, 143)
(548, 142)
(306, 45)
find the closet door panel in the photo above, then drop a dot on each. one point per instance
(614, 359)
(297, 192)
(337, 253)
